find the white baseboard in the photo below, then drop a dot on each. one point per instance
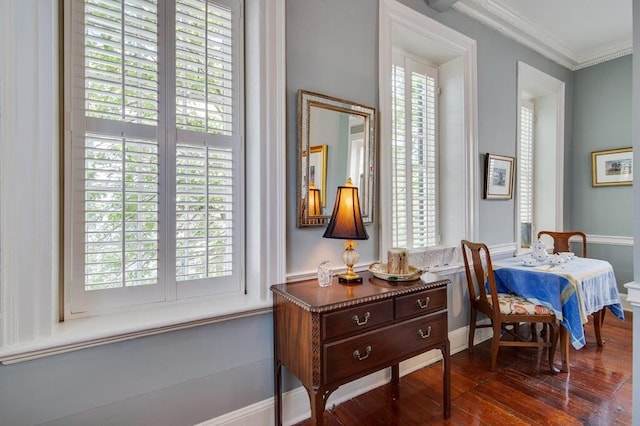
(295, 403)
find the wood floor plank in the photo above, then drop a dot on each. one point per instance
(523, 391)
(478, 407)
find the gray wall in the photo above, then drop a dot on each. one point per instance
(178, 378)
(332, 48)
(193, 375)
(602, 120)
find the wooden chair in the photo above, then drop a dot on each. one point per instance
(561, 240)
(503, 309)
(561, 243)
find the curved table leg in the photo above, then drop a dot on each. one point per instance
(598, 320)
(317, 407)
(318, 399)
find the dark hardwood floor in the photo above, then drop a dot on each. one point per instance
(522, 391)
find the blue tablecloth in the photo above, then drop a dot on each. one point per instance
(572, 290)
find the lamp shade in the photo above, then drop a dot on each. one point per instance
(315, 208)
(346, 219)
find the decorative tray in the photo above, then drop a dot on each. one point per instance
(379, 270)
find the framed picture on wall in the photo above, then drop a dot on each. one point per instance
(318, 170)
(612, 167)
(498, 180)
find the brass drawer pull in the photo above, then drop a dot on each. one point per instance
(421, 333)
(364, 321)
(424, 304)
(356, 354)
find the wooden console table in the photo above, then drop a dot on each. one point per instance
(328, 336)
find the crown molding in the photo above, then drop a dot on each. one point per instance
(440, 5)
(603, 55)
(524, 32)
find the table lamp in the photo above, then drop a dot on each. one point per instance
(315, 208)
(346, 223)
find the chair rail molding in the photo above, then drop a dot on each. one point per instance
(612, 240)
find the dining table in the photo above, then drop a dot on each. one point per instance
(573, 289)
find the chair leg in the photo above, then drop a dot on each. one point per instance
(553, 334)
(533, 328)
(472, 329)
(495, 344)
(545, 332)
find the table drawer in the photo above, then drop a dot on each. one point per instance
(357, 319)
(421, 303)
(425, 331)
(350, 358)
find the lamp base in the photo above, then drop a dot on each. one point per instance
(350, 257)
(348, 279)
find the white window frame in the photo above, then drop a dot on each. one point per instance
(82, 302)
(548, 95)
(411, 66)
(526, 167)
(30, 255)
(455, 56)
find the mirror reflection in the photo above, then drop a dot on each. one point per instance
(336, 142)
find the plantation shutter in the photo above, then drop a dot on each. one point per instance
(398, 156)
(209, 143)
(414, 154)
(155, 150)
(525, 166)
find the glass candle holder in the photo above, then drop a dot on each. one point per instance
(325, 273)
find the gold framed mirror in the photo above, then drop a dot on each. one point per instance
(336, 141)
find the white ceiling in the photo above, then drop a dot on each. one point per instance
(574, 33)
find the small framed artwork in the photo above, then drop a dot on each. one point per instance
(612, 167)
(498, 181)
(318, 170)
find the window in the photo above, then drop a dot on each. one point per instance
(440, 143)
(156, 151)
(540, 141)
(525, 165)
(32, 193)
(414, 182)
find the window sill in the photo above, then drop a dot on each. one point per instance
(450, 269)
(88, 332)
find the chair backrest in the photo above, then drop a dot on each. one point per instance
(561, 240)
(479, 271)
